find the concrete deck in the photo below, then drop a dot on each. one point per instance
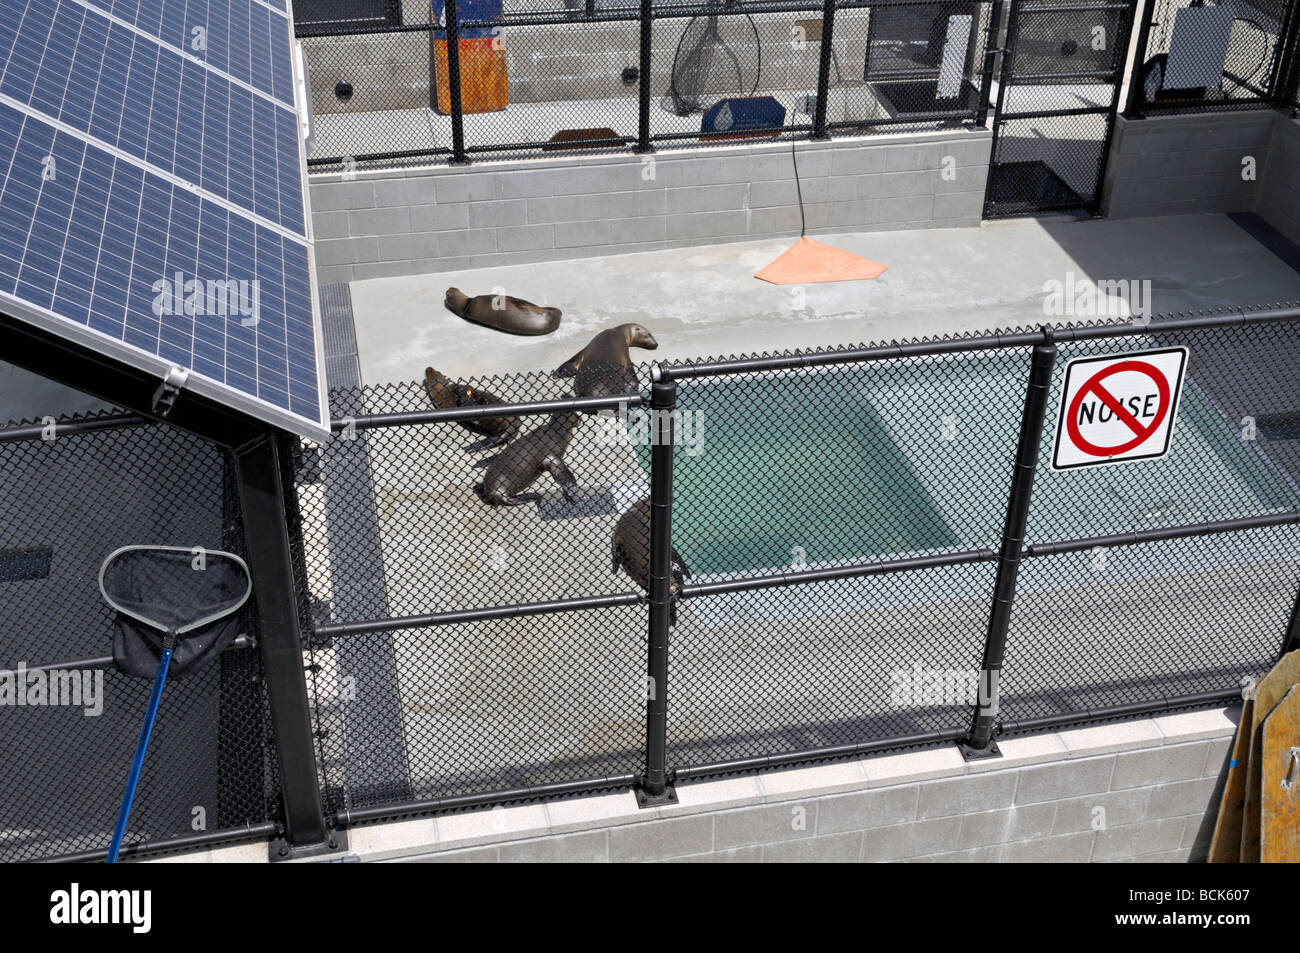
(704, 301)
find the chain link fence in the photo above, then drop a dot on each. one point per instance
(1199, 57)
(837, 520)
(529, 79)
(78, 488)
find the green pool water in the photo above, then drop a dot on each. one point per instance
(858, 463)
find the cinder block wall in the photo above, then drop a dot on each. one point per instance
(1170, 165)
(443, 218)
(1139, 790)
(1279, 191)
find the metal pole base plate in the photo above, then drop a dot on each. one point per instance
(645, 799)
(279, 849)
(979, 754)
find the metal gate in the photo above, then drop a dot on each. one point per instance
(1057, 97)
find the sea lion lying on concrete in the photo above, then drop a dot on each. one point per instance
(519, 465)
(631, 550)
(447, 393)
(503, 313)
(604, 368)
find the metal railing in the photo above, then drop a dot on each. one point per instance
(536, 80)
(508, 667)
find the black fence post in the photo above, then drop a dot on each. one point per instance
(824, 70)
(980, 744)
(643, 87)
(262, 503)
(992, 50)
(655, 788)
(1291, 641)
(1136, 92)
(458, 156)
(1287, 74)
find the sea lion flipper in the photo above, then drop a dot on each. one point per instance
(519, 499)
(677, 558)
(563, 476)
(487, 443)
(570, 367)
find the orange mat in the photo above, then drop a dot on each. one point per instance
(808, 261)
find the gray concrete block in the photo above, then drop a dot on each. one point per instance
(706, 225)
(738, 855)
(346, 251)
(1055, 782)
(336, 196)
(651, 201)
(475, 855)
(1007, 826)
(921, 157)
(907, 209)
(329, 225)
(1138, 840)
(774, 193)
(580, 234)
(333, 273)
(502, 212)
(439, 218)
(766, 825)
(1158, 766)
(1061, 849)
(868, 809)
(936, 836)
(833, 849)
(586, 847)
(638, 230)
(461, 244)
(467, 186)
(858, 160)
(552, 208)
(379, 221)
(713, 198)
(1217, 754)
(657, 840)
(894, 184)
(406, 247)
(1183, 797)
(607, 207)
(1182, 856)
(592, 180)
(1111, 809)
(960, 206)
(520, 184)
(966, 795)
(779, 220)
(525, 237)
(390, 269)
(976, 855)
(408, 190)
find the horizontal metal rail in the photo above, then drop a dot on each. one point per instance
(1053, 547)
(478, 412)
(382, 156)
(106, 661)
(231, 835)
(73, 427)
(478, 615)
(817, 754)
(984, 342)
(358, 815)
(1120, 711)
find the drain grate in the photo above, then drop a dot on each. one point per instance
(600, 504)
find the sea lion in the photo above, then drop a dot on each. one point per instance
(603, 368)
(446, 393)
(631, 551)
(519, 465)
(503, 313)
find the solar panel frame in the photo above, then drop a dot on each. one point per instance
(305, 409)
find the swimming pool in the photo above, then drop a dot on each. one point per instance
(856, 463)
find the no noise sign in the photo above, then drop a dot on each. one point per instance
(1119, 407)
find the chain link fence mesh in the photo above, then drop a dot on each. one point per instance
(71, 499)
(780, 472)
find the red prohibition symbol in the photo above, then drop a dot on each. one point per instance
(1140, 432)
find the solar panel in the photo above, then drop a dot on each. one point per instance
(152, 193)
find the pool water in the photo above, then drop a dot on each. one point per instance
(856, 463)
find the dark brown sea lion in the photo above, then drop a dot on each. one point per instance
(446, 393)
(604, 368)
(519, 465)
(503, 313)
(631, 551)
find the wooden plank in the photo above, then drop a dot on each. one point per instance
(1268, 693)
(1280, 818)
(1225, 848)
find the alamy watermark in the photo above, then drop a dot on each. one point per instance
(225, 297)
(1109, 298)
(56, 688)
(643, 428)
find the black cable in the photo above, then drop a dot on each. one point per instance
(803, 224)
